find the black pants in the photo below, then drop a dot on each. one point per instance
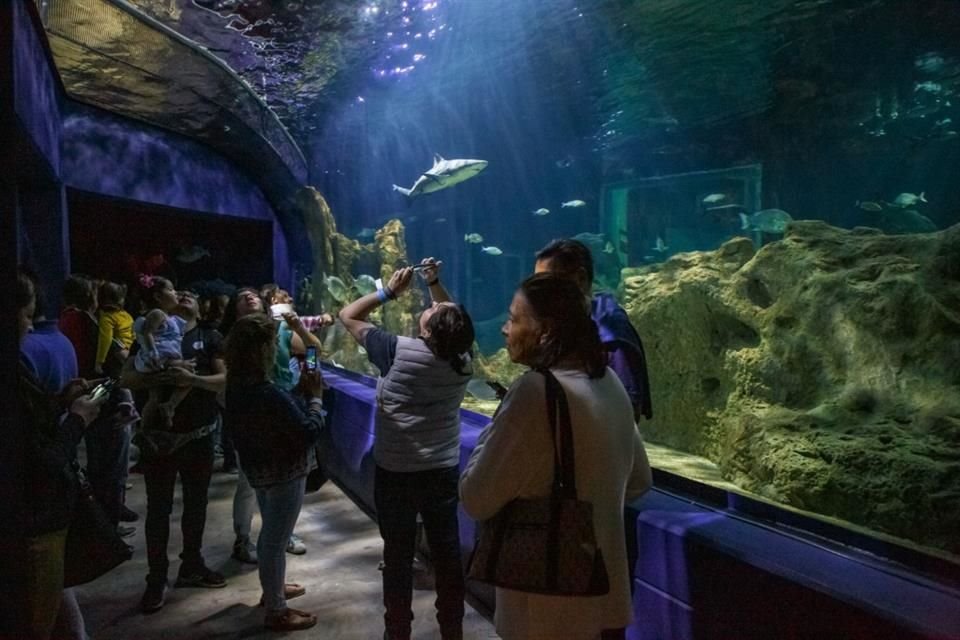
(194, 463)
(399, 497)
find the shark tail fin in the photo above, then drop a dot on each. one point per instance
(405, 192)
(744, 221)
(922, 198)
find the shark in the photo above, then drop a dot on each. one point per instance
(444, 173)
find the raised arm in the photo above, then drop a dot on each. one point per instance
(431, 276)
(354, 315)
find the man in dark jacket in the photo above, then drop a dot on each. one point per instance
(572, 259)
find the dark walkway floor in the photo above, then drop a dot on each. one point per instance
(339, 571)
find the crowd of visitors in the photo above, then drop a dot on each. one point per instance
(197, 371)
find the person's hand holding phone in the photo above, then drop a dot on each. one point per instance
(311, 382)
(76, 388)
(87, 406)
(429, 269)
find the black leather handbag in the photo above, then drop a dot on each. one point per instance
(545, 545)
(93, 546)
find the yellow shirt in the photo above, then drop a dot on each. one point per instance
(114, 325)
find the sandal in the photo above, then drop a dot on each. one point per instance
(290, 620)
(291, 590)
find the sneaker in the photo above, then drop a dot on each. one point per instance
(153, 598)
(125, 532)
(128, 515)
(202, 577)
(290, 620)
(244, 551)
(295, 545)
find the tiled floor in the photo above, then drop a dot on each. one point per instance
(339, 571)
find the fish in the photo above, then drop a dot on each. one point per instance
(338, 290)
(573, 203)
(869, 206)
(480, 390)
(590, 238)
(660, 247)
(714, 198)
(473, 238)
(188, 255)
(492, 251)
(444, 173)
(541, 212)
(440, 220)
(565, 162)
(366, 233)
(767, 221)
(905, 200)
(365, 284)
(608, 248)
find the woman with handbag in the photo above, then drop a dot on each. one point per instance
(50, 485)
(549, 329)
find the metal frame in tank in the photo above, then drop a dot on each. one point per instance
(633, 213)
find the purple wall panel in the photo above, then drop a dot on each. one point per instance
(112, 156)
(36, 88)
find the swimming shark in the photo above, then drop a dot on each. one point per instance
(443, 174)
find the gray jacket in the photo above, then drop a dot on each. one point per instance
(418, 417)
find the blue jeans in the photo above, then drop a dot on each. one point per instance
(399, 497)
(279, 508)
(108, 451)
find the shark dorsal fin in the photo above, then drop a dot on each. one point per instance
(437, 159)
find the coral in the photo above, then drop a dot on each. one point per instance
(815, 371)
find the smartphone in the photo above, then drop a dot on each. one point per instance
(421, 267)
(102, 389)
(311, 359)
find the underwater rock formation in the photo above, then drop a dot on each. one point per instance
(399, 316)
(822, 371)
(337, 256)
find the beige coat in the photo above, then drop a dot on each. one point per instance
(514, 459)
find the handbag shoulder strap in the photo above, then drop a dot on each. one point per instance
(558, 415)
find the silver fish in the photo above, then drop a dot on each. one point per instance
(492, 251)
(473, 238)
(590, 238)
(365, 284)
(573, 203)
(541, 212)
(188, 255)
(714, 198)
(338, 290)
(870, 206)
(480, 390)
(909, 199)
(767, 221)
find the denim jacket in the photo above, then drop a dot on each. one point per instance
(273, 432)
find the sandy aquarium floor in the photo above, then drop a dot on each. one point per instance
(339, 570)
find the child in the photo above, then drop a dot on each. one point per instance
(160, 337)
(115, 329)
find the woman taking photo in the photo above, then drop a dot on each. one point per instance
(274, 436)
(417, 444)
(549, 327)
